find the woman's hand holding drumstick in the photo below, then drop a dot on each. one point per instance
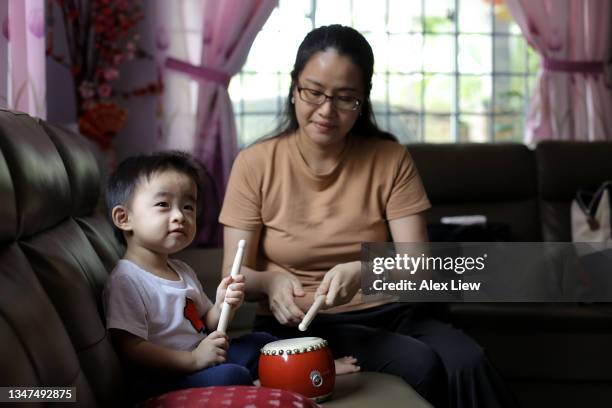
(339, 285)
(314, 309)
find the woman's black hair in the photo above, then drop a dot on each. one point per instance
(347, 42)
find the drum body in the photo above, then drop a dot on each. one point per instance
(304, 365)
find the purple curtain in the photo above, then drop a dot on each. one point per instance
(22, 56)
(229, 29)
(573, 96)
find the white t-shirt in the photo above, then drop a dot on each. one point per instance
(164, 312)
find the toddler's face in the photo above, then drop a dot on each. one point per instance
(163, 212)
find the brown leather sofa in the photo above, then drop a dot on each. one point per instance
(56, 251)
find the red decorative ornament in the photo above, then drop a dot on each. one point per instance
(102, 122)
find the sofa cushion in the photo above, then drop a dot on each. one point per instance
(369, 389)
(544, 317)
(81, 166)
(101, 236)
(73, 277)
(42, 189)
(562, 341)
(8, 209)
(454, 173)
(547, 356)
(495, 180)
(36, 349)
(84, 177)
(563, 167)
(520, 217)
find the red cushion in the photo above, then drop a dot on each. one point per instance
(231, 396)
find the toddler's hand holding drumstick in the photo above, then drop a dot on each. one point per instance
(226, 308)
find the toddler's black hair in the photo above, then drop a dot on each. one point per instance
(123, 181)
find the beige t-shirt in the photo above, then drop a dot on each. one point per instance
(310, 221)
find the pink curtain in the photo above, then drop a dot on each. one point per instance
(229, 29)
(22, 56)
(573, 96)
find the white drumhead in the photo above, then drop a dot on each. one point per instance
(294, 346)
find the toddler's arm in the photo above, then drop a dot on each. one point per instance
(211, 350)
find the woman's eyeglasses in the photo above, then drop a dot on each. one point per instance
(349, 103)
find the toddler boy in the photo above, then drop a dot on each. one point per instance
(156, 310)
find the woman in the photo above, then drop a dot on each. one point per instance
(305, 200)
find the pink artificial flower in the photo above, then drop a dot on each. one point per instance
(105, 90)
(110, 74)
(86, 90)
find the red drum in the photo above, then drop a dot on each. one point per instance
(304, 365)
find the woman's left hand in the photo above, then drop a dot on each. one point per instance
(340, 283)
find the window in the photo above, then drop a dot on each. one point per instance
(445, 70)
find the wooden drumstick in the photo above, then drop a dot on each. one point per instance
(314, 309)
(225, 311)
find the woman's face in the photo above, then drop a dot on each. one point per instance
(334, 75)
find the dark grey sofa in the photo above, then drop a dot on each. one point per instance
(551, 354)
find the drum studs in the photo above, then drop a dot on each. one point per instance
(298, 350)
(316, 379)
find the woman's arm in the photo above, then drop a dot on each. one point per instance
(412, 228)
(281, 287)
